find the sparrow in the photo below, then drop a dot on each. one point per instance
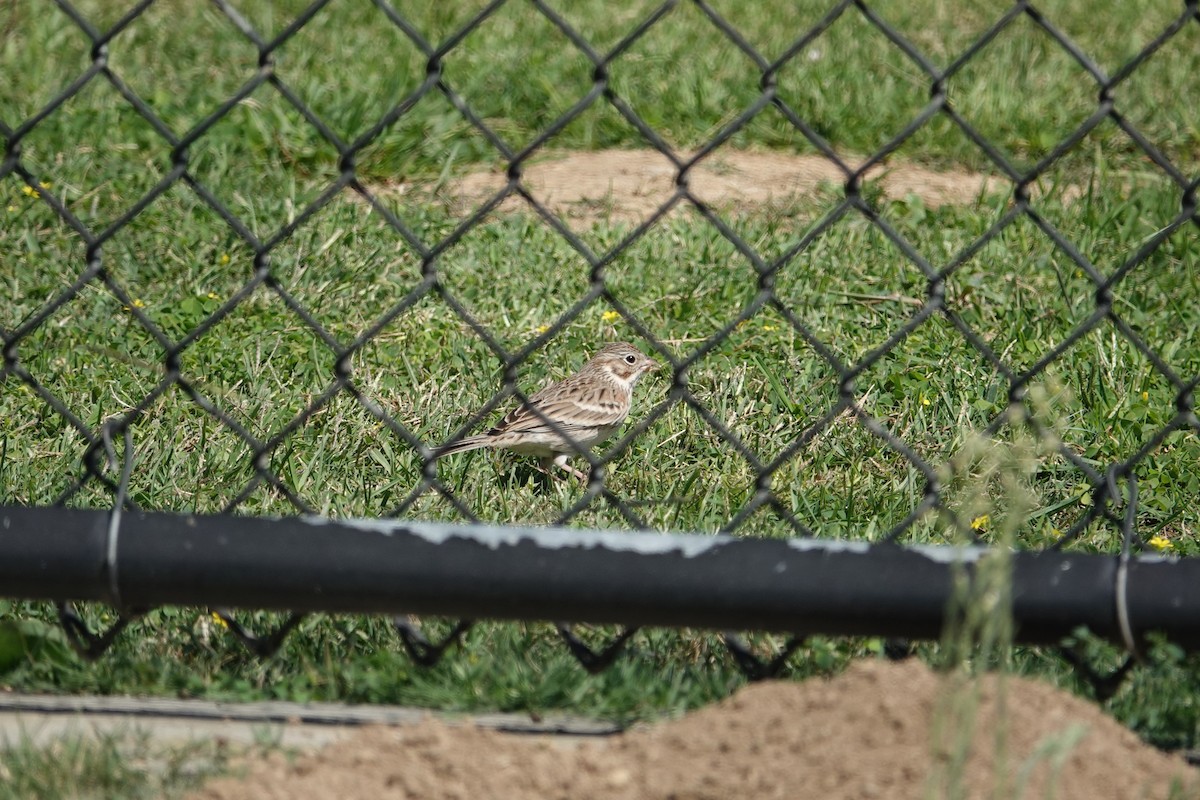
(588, 407)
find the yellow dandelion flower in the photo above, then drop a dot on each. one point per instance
(31, 191)
(924, 399)
(1145, 396)
(212, 296)
(224, 259)
(138, 303)
(1160, 543)
(769, 328)
(610, 316)
(219, 621)
(542, 328)
(981, 522)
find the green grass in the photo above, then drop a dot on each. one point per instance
(128, 766)
(178, 264)
(519, 73)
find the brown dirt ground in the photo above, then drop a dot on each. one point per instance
(629, 185)
(886, 730)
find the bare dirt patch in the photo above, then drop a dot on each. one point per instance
(630, 185)
(879, 730)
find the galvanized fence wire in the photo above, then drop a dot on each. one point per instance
(1114, 486)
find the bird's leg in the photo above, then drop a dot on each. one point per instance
(560, 460)
(544, 465)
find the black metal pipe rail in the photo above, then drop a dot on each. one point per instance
(722, 582)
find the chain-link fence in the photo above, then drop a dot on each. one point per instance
(820, 395)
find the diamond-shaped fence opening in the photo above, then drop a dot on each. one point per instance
(517, 115)
(83, 176)
(205, 68)
(1036, 120)
(321, 65)
(642, 84)
(1142, 94)
(29, 95)
(809, 84)
(249, 160)
(290, 254)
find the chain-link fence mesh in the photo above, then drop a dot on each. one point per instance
(180, 378)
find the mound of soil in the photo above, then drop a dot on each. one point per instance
(880, 729)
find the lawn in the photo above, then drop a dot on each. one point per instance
(275, 319)
(129, 765)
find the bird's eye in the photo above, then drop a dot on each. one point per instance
(630, 359)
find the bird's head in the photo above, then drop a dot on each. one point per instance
(624, 362)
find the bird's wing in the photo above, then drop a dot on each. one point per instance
(569, 411)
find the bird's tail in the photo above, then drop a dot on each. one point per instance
(469, 443)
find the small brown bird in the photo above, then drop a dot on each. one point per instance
(588, 407)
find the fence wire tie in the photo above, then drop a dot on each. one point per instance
(114, 517)
(1122, 578)
(91, 645)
